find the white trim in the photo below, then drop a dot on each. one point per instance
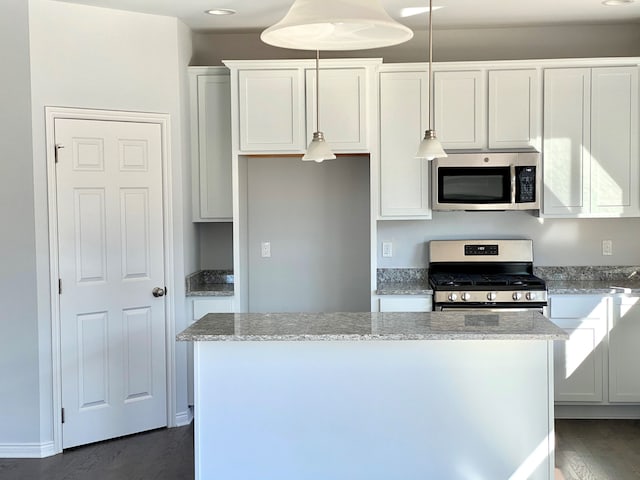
(184, 418)
(27, 450)
(163, 120)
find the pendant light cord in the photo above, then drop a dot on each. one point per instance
(430, 86)
(317, 90)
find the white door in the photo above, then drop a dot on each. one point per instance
(112, 328)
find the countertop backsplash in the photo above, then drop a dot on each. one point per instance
(210, 282)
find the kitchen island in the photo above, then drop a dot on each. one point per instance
(369, 396)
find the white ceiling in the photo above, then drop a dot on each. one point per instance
(255, 15)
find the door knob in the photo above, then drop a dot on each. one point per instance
(158, 292)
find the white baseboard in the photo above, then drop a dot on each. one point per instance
(184, 418)
(27, 450)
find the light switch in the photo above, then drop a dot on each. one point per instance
(387, 249)
(265, 249)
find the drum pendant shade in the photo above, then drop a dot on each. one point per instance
(336, 25)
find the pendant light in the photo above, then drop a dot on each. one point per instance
(430, 147)
(318, 150)
(336, 25)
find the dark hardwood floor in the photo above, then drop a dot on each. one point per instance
(165, 454)
(598, 449)
(585, 450)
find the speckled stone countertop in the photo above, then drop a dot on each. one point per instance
(596, 280)
(403, 281)
(525, 325)
(210, 283)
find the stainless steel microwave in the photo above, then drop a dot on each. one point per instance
(486, 181)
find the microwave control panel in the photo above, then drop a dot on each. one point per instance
(525, 184)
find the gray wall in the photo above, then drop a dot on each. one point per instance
(508, 43)
(60, 54)
(316, 217)
(555, 241)
(19, 390)
(216, 245)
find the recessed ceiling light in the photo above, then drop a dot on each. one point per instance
(220, 11)
(611, 3)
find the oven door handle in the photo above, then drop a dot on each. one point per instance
(489, 309)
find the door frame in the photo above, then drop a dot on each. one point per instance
(163, 120)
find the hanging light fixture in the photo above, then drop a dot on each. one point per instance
(318, 150)
(430, 147)
(336, 25)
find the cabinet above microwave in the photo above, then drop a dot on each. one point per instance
(487, 181)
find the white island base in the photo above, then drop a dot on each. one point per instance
(374, 410)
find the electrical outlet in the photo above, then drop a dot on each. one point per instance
(607, 247)
(265, 249)
(387, 249)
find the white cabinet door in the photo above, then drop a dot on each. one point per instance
(513, 109)
(459, 109)
(578, 362)
(566, 141)
(624, 351)
(404, 180)
(271, 110)
(614, 141)
(406, 303)
(343, 108)
(211, 121)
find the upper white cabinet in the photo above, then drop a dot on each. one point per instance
(459, 109)
(271, 110)
(513, 109)
(211, 143)
(487, 108)
(276, 104)
(343, 107)
(590, 147)
(404, 180)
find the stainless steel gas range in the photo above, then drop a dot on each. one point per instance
(484, 275)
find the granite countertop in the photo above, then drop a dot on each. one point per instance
(597, 280)
(403, 281)
(210, 283)
(524, 325)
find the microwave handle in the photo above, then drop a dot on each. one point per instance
(512, 169)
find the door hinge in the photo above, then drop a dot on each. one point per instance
(62, 415)
(58, 147)
(59, 286)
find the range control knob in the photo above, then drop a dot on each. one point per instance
(453, 297)
(491, 296)
(466, 297)
(516, 296)
(531, 295)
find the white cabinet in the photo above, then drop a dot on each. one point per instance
(406, 303)
(276, 104)
(459, 109)
(404, 180)
(271, 110)
(211, 144)
(343, 107)
(624, 351)
(599, 362)
(578, 362)
(202, 306)
(513, 109)
(590, 146)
